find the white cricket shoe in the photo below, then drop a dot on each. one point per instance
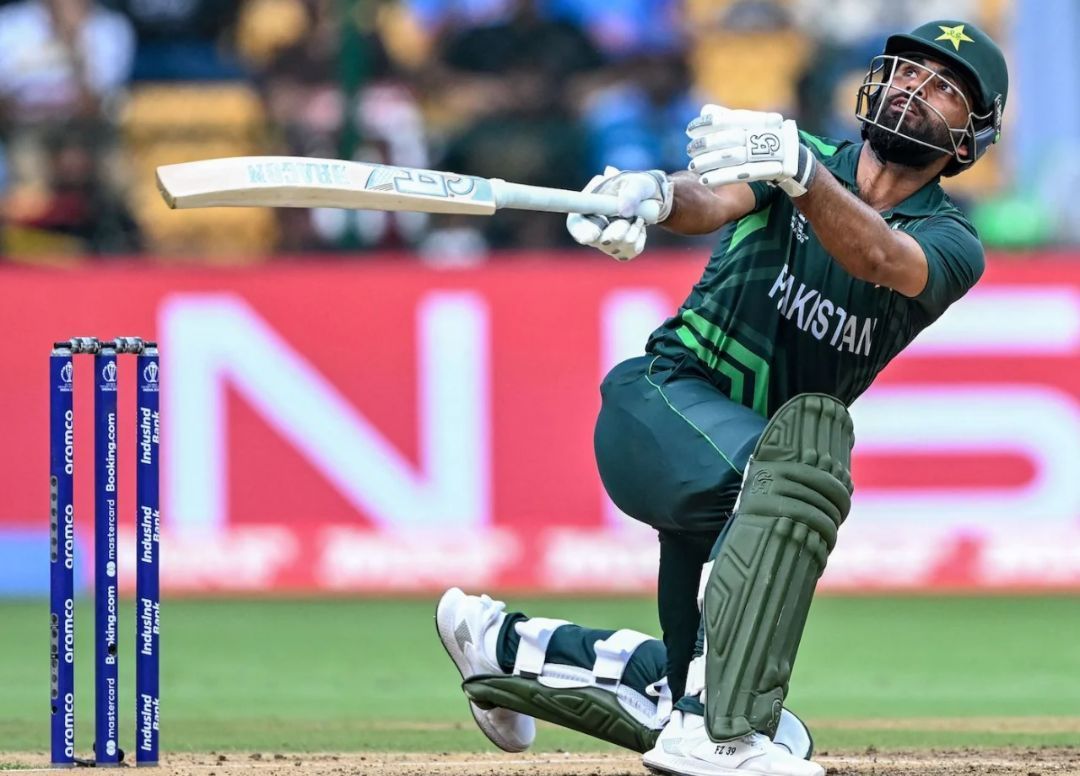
(684, 748)
(463, 622)
(793, 735)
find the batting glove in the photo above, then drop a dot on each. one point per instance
(622, 237)
(740, 146)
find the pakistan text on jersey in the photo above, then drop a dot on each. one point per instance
(822, 318)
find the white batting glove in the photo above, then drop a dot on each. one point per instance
(622, 237)
(740, 146)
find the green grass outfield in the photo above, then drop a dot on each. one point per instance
(346, 675)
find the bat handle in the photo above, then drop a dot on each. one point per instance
(519, 196)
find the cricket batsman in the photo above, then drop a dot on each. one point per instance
(731, 436)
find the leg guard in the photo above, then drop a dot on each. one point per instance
(796, 492)
(594, 702)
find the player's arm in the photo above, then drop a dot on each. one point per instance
(858, 238)
(740, 145)
(697, 209)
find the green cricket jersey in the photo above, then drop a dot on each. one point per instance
(774, 315)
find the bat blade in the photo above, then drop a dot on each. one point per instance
(284, 181)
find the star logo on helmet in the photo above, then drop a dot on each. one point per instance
(955, 35)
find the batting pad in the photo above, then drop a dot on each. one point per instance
(796, 492)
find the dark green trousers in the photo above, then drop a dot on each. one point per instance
(671, 448)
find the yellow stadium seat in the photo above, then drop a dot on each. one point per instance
(268, 26)
(185, 108)
(150, 156)
(993, 16)
(705, 12)
(406, 42)
(751, 70)
(166, 123)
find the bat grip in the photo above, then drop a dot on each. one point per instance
(519, 196)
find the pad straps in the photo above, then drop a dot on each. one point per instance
(535, 635)
(695, 672)
(664, 702)
(613, 653)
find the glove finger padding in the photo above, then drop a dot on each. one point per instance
(714, 118)
(615, 232)
(724, 138)
(633, 241)
(715, 160)
(744, 173)
(623, 240)
(586, 230)
(732, 146)
(639, 238)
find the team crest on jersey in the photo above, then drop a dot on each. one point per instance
(799, 227)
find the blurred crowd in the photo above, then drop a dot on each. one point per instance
(95, 93)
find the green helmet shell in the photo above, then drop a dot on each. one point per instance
(965, 48)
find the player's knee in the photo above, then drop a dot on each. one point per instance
(801, 467)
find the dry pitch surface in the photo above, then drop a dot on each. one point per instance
(966, 761)
(1021, 762)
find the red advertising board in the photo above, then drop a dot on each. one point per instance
(379, 425)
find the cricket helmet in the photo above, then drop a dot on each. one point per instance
(972, 56)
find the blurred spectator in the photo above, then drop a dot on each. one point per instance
(864, 20)
(546, 92)
(302, 86)
(267, 27)
(59, 59)
(627, 28)
(70, 209)
(507, 93)
(62, 63)
(617, 27)
(183, 40)
(439, 16)
(638, 121)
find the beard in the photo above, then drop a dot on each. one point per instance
(903, 149)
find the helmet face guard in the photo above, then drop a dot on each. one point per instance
(877, 92)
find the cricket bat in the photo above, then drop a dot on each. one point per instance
(292, 181)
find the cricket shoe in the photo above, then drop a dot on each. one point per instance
(467, 626)
(793, 734)
(684, 749)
